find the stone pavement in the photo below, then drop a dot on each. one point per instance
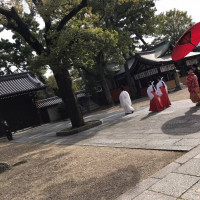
(175, 128)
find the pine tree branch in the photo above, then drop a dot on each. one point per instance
(15, 23)
(39, 3)
(66, 18)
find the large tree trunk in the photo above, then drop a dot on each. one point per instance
(100, 65)
(64, 82)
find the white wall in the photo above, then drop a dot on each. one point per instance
(53, 113)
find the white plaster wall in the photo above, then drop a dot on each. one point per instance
(53, 113)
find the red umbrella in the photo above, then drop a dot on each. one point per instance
(187, 42)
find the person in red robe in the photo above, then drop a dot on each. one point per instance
(193, 87)
(162, 92)
(155, 104)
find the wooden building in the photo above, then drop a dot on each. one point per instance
(17, 100)
(147, 66)
(48, 109)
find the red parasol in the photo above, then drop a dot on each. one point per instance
(187, 42)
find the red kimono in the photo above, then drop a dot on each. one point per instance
(155, 104)
(193, 87)
(162, 92)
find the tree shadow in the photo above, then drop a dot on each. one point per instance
(183, 125)
(108, 187)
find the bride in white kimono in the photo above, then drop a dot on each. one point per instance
(125, 102)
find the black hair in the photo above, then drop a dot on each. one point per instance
(159, 77)
(194, 65)
(189, 68)
(149, 83)
(122, 87)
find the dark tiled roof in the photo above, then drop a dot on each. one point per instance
(56, 100)
(48, 102)
(155, 56)
(16, 84)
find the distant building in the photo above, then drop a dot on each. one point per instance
(48, 108)
(148, 65)
(17, 99)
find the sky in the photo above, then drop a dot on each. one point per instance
(191, 6)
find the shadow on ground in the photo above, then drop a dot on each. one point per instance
(183, 125)
(149, 115)
(107, 187)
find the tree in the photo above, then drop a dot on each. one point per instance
(14, 56)
(95, 43)
(133, 20)
(56, 16)
(171, 25)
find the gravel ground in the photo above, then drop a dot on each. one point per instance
(54, 172)
(41, 172)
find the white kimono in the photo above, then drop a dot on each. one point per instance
(149, 92)
(125, 102)
(160, 84)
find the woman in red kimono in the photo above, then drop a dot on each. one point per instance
(155, 104)
(162, 92)
(193, 87)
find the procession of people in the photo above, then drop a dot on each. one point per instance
(158, 96)
(158, 93)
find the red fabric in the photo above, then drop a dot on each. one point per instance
(187, 42)
(192, 83)
(164, 99)
(193, 87)
(155, 104)
(116, 92)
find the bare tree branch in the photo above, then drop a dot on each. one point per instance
(66, 18)
(15, 23)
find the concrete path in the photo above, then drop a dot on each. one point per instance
(175, 128)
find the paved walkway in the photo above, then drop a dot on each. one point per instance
(175, 128)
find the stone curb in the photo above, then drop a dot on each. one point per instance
(80, 129)
(143, 186)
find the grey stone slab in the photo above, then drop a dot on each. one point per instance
(193, 193)
(166, 170)
(198, 156)
(138, 189)
(136, 141)
(149, 195)
(162, 142)
(174, 184)
(190, 142)
(192, 167)
(189, 155)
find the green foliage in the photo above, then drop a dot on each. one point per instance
(135, 17)
(15, 54)
(51, 82)
(171, 25)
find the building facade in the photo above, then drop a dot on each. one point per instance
(147, 66)
(17, 100)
